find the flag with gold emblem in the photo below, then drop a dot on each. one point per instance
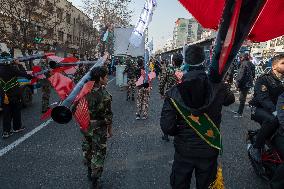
(202, 125)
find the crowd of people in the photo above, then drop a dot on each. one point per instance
(191, 101)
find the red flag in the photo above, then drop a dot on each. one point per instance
(62, 85)
(85, 90)
(230, 38)
(82, 114)
(46, 115)
(69, 60)
(269, 24)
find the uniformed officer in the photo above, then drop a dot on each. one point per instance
(267, 89)
(143, 93)
(100, 128)
(130, 70)
(11, 98)
(168, 78)
(45, 88)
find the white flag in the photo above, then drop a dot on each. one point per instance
(143, 22)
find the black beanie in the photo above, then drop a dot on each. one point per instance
(178, 59)
(194, 55)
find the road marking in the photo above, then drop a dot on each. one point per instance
(13, 145)
(22, 139)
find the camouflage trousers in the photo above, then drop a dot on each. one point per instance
(94, 151)
(45, 96)
(143, 97)
(162, 85)
(131, 87)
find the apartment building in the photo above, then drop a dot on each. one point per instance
(56, 23)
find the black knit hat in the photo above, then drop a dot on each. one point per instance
(194, 55)
(178, 59)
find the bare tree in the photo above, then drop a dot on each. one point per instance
(23, 21)
(106, 15)
(112, 12)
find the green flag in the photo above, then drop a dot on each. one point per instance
(202, 125)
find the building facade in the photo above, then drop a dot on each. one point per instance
(180, 33)
(194, 31)
(46, 25)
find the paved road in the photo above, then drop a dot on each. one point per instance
(137, 157)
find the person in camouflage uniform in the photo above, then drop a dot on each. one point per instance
(163, 70)
(143, 95)
(100, 128)
(45, 88)
(130, 70)
(169, 79)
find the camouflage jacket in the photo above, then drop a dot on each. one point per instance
(168, 79)
(99, 103)
(131, 70)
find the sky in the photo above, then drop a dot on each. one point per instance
(162, 26)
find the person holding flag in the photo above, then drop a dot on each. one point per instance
(100, 127)
(192, 114)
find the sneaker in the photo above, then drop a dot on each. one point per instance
(133, 98)
(144, 117)
(6, 135)
(137, 116)
(255, 153)
(238, 115)
(165, 138)
(19, 130)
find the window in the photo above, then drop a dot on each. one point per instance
(59, 13)
(69, 38)
(68, 18)
(49, 6)
(50, 32)
(60, 36)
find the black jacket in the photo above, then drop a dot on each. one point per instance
(266, 92)
(280, 113)
(246, 75)
(200, 96)
(7, 72)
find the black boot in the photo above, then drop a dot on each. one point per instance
(95, 183)
(89, 173)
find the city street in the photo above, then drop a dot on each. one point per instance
(51, 157)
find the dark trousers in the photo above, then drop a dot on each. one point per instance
(11, 112)
(183, 167)
(269, 124)
(277, 181)
(242, 99)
